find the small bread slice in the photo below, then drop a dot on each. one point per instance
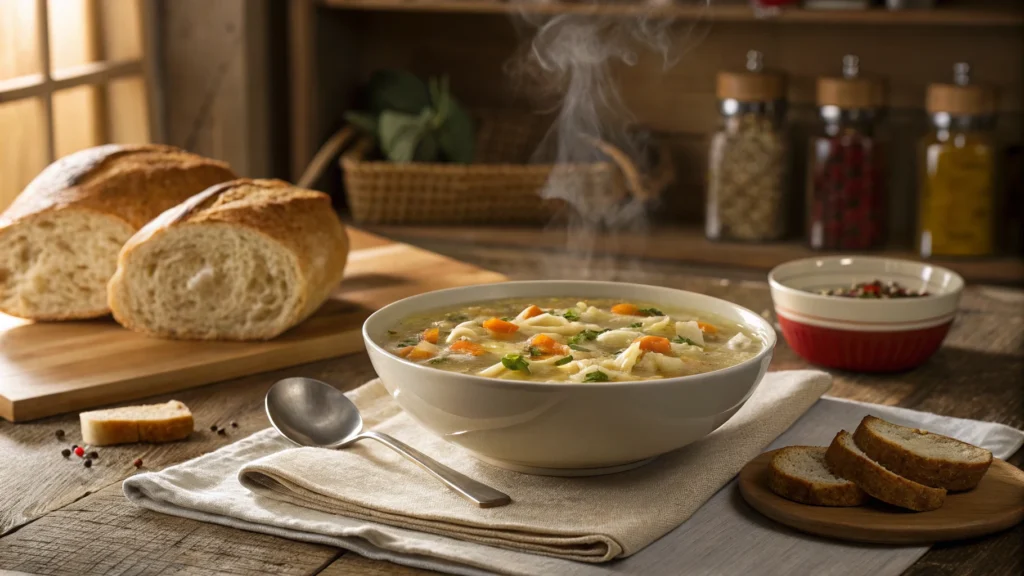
(926, 458)
(847, 461)
(799, 473)
(150, 423)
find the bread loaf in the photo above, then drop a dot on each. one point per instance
(243, 260)
(60, 238)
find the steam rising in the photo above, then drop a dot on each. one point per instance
(570, 61)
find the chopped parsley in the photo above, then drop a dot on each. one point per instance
(412, 341)
(534, 351)
(586, 335)
(681, 340)
(507, 318)
(439, 360)
(651, 312)
(563, 361)
(515, 362)
(456, 317)
(596, 376)
(578, 348)
(571, 315)
(637, 325)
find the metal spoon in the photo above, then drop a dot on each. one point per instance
(312, 413)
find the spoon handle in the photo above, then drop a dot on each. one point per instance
(483, 495)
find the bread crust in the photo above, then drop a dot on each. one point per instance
(876, 480)
(130, 183)
(806, 491)
(302, 221)
(933, 472)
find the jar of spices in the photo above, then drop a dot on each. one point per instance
(845, 181)
(957, 167)
(746, 197)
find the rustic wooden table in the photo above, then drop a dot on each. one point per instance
(58, 517)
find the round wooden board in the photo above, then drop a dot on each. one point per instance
(997, 503)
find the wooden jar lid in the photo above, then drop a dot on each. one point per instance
(850, 92)
(751, 85)
(961, 98)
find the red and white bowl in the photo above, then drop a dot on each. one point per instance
(868, 335)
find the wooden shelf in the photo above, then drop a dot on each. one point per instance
(688, 245)
(994, 16)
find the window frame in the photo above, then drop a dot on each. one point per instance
(44, 84)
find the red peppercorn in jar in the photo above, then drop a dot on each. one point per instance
(845, 182)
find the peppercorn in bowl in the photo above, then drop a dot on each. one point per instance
(569, 377)
(865, 314)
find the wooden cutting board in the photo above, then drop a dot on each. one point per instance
(997, 503)
(51, 368)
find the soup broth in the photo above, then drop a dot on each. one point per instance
(572, 340)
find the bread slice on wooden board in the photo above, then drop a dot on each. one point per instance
(847, 461)
(799, 473)
(926, 458)
(150, 423)
(243, 260)
(60, 238)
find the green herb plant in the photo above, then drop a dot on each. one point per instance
(413, 121)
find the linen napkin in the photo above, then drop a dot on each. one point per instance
(722, 537)
(591, 519)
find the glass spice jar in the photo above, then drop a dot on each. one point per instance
(958, 167)
(746, 182)
(845, 181)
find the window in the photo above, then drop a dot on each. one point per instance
(73, 74)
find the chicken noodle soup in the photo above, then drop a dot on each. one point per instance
(571, 340)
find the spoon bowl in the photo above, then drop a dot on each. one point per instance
(312, 413)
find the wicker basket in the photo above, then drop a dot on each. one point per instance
(501, 187)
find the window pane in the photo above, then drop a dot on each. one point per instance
(71, 33)
(19, 55)
(127, 111)
(121, 23)
(23, 146)
(76, 124)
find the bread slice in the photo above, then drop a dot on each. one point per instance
(930, 459)
(799, 473)
(847, 461)
(243, 260)
(150, 423)
(60, 238)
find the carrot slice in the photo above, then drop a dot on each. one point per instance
(655, 344)
(431, 335)
(403, 352)
(418, 353)
(500, 326)
(531, 311)
(626, 309)
(467, 347)
(705, 327)
(547, 344)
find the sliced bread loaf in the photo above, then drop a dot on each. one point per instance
(150, 423)
(930, 459)
(846, 460)
(799, 473)
(60, 238)
(242, 260)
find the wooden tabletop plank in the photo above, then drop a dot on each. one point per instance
(975, 375)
